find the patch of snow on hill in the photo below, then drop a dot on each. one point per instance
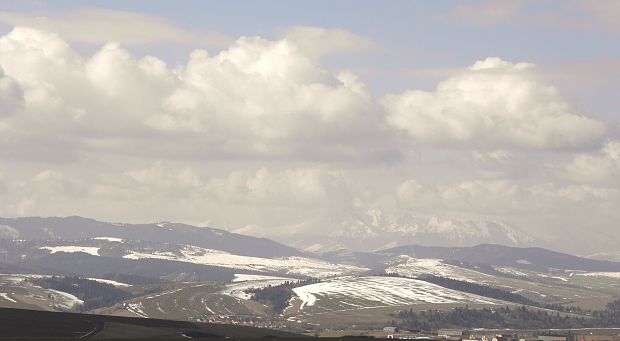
(91, 250)
(110, 239)
(109, 281)
(247, 278)
(65, 300)
(374, 291)
(136, 308)
(242, 282)
(287, 265)
(511, 271)
(601, 274)
(415, 267)
(6, 297)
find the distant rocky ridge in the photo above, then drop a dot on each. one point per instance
(375, 232)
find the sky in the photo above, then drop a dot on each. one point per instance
(288, 119)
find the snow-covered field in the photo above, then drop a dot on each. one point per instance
(5, 296)
(110, 239)
(286, 265)
(258, 278)
(109, 281)
(65, 300)
(600, 274)
(373, 291)
(511, 271)
(242, 282)
(136, 308)
(413, 267)
(72, 249)
(25, 294)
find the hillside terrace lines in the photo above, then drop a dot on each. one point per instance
(174, 291)
(5, 296)
(288, 265)
(190, 302)
(136, 308)
(366, 292)
(204, 302)
(171, 301)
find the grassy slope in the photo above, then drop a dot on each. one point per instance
(27, 324)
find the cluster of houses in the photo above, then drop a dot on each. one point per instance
(241, 320)
(495, 335)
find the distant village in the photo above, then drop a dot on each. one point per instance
(612, 334)
(391, 332)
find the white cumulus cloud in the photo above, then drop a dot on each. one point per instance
(256, 98)
(262, 136)
(601, 168)
(491, 103)
(535, 207)
(312, 186)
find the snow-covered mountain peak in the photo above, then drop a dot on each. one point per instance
(376, 230)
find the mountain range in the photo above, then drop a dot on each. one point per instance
(75, 228)
(130, 246)
(376, 231)
(201, 274)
